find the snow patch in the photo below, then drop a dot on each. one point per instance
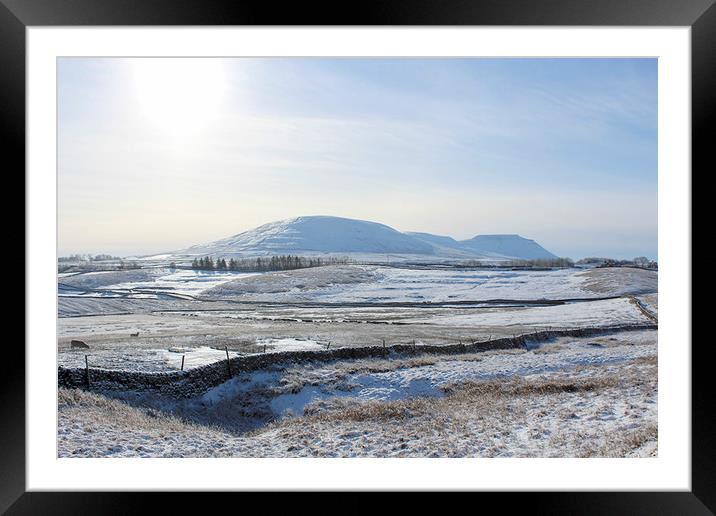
(289, 344)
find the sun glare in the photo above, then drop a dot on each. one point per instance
(180, 96)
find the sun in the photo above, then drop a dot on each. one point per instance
(181, 96)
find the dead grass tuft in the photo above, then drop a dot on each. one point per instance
(521, 387)
(625, 444)
(98, 411)
(366, 411)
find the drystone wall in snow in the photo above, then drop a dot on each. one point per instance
(192, 382)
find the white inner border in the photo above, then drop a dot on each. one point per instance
(671, 470)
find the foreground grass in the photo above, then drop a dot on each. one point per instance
(587, 412)
(611, 415)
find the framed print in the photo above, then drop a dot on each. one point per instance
(411, 249)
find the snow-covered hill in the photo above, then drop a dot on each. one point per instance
(317, 234)
(489, 246)
(444, 241)
(311, 235)
(513, 246)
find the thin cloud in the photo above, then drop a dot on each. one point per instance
(563, 151)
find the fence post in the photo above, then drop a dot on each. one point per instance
(182, 362)
(228, 362)
(87, 371)
(384, 343)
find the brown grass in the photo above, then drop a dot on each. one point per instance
(485, 395)
(622, 445)
(521, 387)
(95, 410)
(556, 414)
(480, 414)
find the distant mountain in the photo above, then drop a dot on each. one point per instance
(513, 246)
(445, 241)
(500, 246)
(445, 246)
(317, 234)
(312, 235)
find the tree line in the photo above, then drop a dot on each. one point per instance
(87, 258)
(538, 262)
(264, 264)
(641, 262)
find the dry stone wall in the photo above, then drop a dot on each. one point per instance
(192, 382)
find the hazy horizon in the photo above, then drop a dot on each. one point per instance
(157, 155)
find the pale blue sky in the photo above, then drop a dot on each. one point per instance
(160, 154)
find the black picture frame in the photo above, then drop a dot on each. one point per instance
(700, 15)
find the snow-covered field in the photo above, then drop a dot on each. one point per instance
(571, 397)
(345, 284)
(431, 379)
(146, 360)
(190, 282)
(289, 344)
(338, 304)
(263, 329)
(582, 314)
(401, 285)
(154, 360)
(145, 283)
(381, 284)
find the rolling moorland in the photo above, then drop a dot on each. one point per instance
(397, 344)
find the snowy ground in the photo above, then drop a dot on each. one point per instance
(145, 283)
(380, 284)
(619, 281)
(571, 397)
(650, 302)
(146, 360)
(356, 285)
(256, 329)
(153, 360)
(595, 313)
(363, 284)
(126, 331)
